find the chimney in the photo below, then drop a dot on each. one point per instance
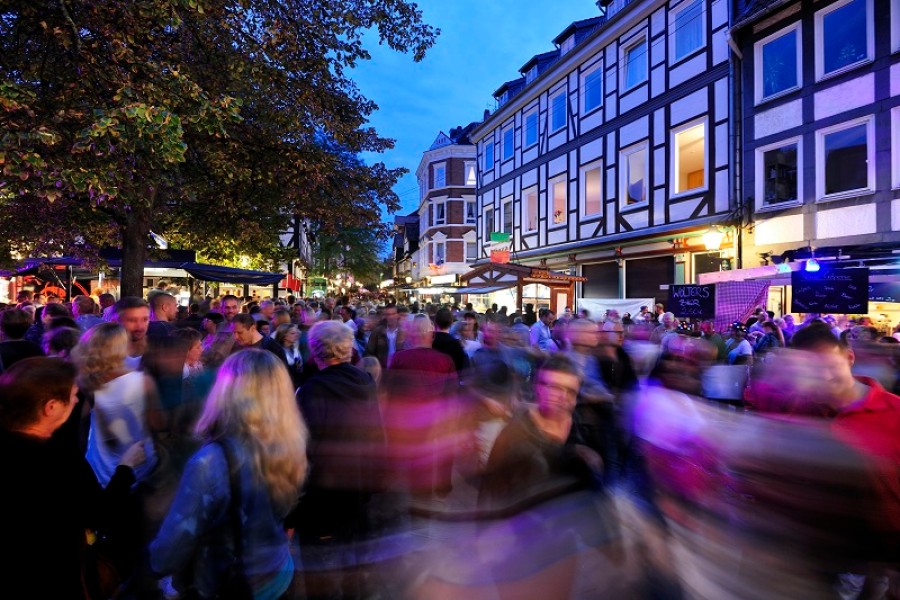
(487, 113)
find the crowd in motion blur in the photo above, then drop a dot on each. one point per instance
(361, 448)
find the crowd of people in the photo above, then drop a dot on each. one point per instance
(361, 448)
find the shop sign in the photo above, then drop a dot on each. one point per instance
(500, 247)
(692, 301)
(838, 291)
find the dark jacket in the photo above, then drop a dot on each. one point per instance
(346, 443)
(50, 496)
(449, 345)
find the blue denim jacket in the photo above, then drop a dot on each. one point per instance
(195, 543)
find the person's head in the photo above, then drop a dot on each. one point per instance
(106, 300)
(529, 307)
(193, 343)
(24, 296)
(668, 320)
(53, 311)
(230, 307)
(770, 327)
(164, 307)
(418, 332)
(59, 341)
(211, 322)
(581, 335)
(14, 322)
(370, 365)
(707, 327)
(833, 359)
(134, 315)
(330, 343)
(263, 327)
(287, 334)
(738, 330)
(244, 328)
(280, 317)
(253, 402)
(391, 317)
(546, 316)
(443, 319)
(165, 356)
(100, 353)
(83, 306)
(37, 394)
(612, 333)
(660, 309)
(556, 385)
(267, 308)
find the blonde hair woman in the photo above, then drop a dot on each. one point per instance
(119, 399)
(250, 421)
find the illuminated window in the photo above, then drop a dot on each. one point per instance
(530, 218)
(689, 158)
(559, 197)
(592, 188)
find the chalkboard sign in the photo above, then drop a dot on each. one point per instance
(884, 291)
(695, 301)
(841, 291)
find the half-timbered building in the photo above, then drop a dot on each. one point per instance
(610, 156)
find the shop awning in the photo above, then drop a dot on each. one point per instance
(231, 275)
(483, 289)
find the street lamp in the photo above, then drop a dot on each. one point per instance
(408, 279)
(712, 239)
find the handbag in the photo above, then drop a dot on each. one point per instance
(234, 584)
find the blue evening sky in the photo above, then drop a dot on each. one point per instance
(482, 44)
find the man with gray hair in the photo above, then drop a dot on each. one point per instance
(345, 450)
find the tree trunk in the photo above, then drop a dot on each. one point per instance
(134, 250)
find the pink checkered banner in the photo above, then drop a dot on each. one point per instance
(737, 301)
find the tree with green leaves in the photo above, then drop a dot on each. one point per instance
(210, 122)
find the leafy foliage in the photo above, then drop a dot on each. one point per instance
(207, 121)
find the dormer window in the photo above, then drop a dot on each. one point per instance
(503, 97)
(531, 75)
(567, 44)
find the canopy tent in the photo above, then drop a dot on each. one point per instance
(492, 277)
(231, 275)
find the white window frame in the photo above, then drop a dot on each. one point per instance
(895, 25)
(673, 29)
(585, 109)
(488, 223)
(508, 138)
(434, 251)
(623, 60)
(895, 147)
(438, 167)
(474, 219)
(435, 221)
(470, 169)
(537, 124)
(488, 167)
(567, 44)
(531, 74)
(474, 245)
(526, 209)
(675, 155)
(870, 39)
(508, 200)
(582, 177)
(869, 121)
(565, 108)
(551, 201)
(760, 174)
(758, 63)
(624, 153)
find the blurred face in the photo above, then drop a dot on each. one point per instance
(292, 336)
(556, 392)
(832, 369)
(209, 327)
(581, 336)
(230, 309)
(706, 328)
(612, 334)
(193, 355)
(548, 318)
(135, 321)
(243, 335)
(391, 317)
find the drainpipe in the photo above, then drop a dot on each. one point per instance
(735, 136)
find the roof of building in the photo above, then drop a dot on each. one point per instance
(511, 88)
(746, 10)
(581, 29)
(543, 61)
